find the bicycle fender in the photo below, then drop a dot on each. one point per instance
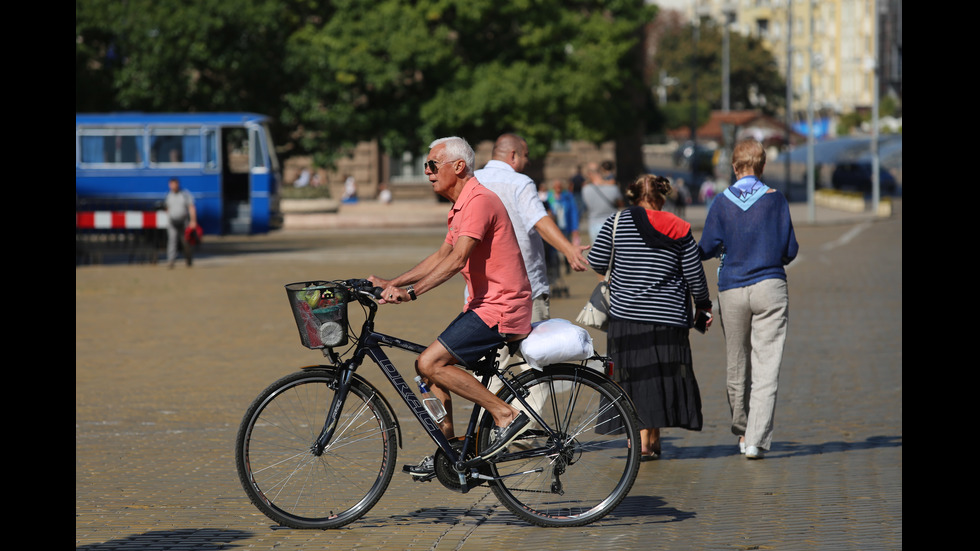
(362, 381)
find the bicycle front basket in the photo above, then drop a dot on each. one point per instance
(320, 310)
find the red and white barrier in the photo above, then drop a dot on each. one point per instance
(121, 220)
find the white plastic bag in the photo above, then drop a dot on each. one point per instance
(555, 341)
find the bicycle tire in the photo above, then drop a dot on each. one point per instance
(595, 472)
(281, 475)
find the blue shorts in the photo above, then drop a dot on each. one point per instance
(469, 339)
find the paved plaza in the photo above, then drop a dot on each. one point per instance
(167, 361)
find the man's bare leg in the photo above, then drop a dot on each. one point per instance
(439, 368)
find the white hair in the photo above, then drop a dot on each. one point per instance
(457, 148)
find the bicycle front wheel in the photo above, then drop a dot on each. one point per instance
(281, 474)
(598, 456)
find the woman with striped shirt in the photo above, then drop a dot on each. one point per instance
(656, 272)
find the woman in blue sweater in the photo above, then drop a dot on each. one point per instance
(749, 228)
(656, 273)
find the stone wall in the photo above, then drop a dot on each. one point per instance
(370, 168)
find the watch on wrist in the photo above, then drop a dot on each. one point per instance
(411, 292)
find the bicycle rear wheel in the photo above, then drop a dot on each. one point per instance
(599, 456)
(280, 473)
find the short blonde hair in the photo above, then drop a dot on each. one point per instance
(749, 155)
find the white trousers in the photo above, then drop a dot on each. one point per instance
(754, 320)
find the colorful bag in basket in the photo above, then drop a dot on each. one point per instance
(320, 311)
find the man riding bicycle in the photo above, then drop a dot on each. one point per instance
(481, 243)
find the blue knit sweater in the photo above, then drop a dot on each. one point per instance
(749, 228)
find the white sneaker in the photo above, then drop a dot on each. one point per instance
(741, 447)
(752, 452)
(501, 437)
(425, 467)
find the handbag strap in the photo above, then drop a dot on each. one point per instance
(612, 249)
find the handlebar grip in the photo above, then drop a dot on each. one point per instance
(365, 286)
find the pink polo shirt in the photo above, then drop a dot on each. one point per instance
(499, 291)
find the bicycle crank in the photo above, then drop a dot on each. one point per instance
(446, 472)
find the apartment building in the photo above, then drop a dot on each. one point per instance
(827, 47)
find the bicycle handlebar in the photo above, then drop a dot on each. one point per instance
(364, 287)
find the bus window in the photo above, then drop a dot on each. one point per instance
(258, 156)
(170, 146)
(210, 149)
(120, 148)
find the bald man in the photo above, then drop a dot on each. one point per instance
(503, 175)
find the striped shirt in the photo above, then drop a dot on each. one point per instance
(656, 268)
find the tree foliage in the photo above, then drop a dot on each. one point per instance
(694, 58)
(181, 55)
(338, 72)
(405, 73)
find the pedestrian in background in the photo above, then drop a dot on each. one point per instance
(181, 216)
(577, 181)
(680, 197)
(706, 193)
(350, 190)
(563, 205)
(384, 193)
(656, 272)
(750, 229)
(602, 198)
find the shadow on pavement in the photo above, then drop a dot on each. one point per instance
(780, 449)
(191, 539)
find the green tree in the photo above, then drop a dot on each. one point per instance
(694, 58)
(404, 73)
(339, 72)
(179, 55)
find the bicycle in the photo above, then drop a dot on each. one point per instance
(317, 448)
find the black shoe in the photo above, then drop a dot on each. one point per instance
(425, 468)
(502, 436)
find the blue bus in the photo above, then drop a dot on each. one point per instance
(227, 161)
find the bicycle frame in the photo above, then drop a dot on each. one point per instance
(369, 343)
(574, 464)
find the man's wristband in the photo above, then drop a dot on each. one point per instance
(411, 292)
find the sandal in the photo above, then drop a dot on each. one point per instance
(651, 455)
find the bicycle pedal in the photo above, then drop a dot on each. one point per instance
(425, 478)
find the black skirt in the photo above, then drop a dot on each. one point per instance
(653, 365)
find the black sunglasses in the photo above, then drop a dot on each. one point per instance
(433, 166)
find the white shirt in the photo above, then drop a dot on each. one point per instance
(179, 205)
(520, 197)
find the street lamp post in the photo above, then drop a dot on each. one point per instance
(810, 176)
(728, 130)
(789, 89)
(729, 14)
(695, 38)
(875, 160)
